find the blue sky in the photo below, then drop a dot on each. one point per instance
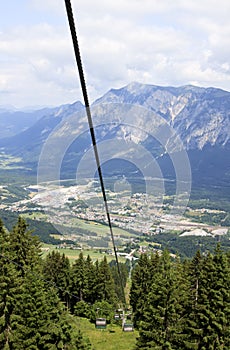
(156, 42)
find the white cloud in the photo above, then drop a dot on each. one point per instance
(157, 42)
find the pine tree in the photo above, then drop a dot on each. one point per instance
(208, 324)
(56, 269)
(58, 329)
(90, 281)
(9, 289)
(25, 248)
(222, 300)
(161, 321)
(96, 289)
(78, 281)
(142, 276)
(105, 283)
(36, 321)
(195, 276)
(31, 315)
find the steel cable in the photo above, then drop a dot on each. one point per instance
(91, 127)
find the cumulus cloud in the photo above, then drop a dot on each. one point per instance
(163, 43)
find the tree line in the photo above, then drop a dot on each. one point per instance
(182, 305)
(85, 282)
(38, 297)
(177, 305)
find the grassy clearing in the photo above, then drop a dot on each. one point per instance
(98, 228)
(87, 225)
(111, 338)
(74, 254)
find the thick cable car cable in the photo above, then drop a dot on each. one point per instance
(91, 127)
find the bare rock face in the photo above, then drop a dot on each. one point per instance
(201, 116)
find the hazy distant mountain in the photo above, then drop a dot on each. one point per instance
(200, 116)
(13, 121)
(27, 143)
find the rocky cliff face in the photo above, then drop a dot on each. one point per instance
(200, 116)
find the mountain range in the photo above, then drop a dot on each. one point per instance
(199, 116)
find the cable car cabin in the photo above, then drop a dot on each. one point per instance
(100, 323)
(128, 327)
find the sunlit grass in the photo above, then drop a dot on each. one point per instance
(74, 254)
(111, 338)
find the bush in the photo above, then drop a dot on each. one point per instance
(82, 309)
(102, 309)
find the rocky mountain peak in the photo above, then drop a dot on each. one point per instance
(199, 115)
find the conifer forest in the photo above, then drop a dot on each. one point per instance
(114, 175)
(180, 305)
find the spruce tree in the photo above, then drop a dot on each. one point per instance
(142, 276)
(105, 283)
(78, 281)
(90, 281)
(195, 275)
(25, 248)
(208, 324)
(31, 314)
(56, 269)
(161, 321)
(10, 288)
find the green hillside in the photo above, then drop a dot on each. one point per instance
(111, 338)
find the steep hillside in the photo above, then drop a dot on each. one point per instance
(158, 119)
(201, 116)
(13, 122)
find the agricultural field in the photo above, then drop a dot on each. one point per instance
(73, 254)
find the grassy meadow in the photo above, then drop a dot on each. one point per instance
(74, 254)
(111, 338)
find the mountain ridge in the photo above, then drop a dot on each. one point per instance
(176, 104)
(200, 116)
